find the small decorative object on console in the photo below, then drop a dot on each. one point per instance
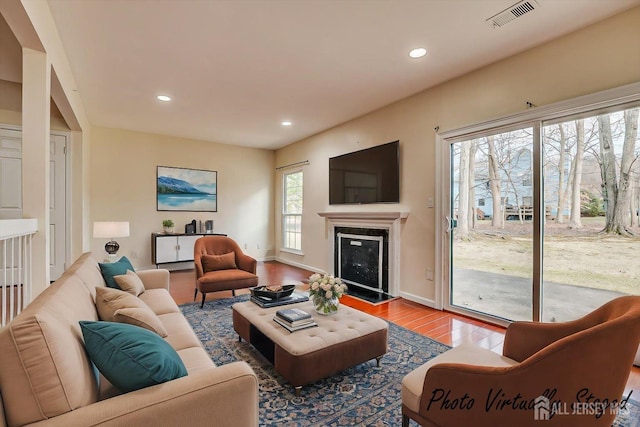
(167, 225)
(325, 291)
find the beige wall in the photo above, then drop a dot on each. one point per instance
(598, 57)
(11, 107)
(123, 188)
(11, 54)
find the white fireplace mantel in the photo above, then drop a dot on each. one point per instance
(364, 215)
(388, 220)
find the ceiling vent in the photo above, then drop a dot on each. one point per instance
(512, 12)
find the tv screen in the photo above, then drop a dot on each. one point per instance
(371, 175)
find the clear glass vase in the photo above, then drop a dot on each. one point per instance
(326, 306)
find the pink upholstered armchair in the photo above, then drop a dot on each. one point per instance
(221, 265)
(586, 361)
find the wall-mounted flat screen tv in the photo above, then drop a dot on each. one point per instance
(371, 175)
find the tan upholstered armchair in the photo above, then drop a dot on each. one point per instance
(586, 361)
(221, 265)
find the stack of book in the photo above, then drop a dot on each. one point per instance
(294, 319)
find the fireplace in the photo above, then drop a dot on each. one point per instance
(361, 257)
(371, 242)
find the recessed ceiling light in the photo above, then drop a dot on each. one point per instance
(164, 98)
(418, 52)
(286, 123)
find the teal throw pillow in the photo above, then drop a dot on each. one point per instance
(129, 356)
(110, 269)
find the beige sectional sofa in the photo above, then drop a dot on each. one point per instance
(47, 379)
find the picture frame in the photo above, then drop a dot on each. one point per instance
(186, 190)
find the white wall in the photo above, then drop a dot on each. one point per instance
(598, 57)
(123, 188)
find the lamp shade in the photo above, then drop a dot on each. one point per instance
(110, 229)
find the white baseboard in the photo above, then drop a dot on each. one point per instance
(299, 265)
(420, 300)
(267, 258)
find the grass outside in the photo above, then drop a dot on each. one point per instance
(582, 257)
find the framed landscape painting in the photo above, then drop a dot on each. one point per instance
(181, 189)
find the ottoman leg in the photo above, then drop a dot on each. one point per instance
(298, 388)
(405, 421)
(378, 359)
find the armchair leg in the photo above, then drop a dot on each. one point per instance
(405, 421)
(233, 292)
(203, 297)
(195, 294)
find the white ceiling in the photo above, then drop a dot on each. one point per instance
(237, 69)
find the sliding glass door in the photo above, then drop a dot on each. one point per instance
(543, 217)
(491, 228)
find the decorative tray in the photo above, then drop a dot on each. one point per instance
(273, 292)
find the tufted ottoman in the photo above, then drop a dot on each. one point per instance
(340, 341)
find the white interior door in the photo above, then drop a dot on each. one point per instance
(11, 190)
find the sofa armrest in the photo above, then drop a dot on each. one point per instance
(154, 279)
(226, 395)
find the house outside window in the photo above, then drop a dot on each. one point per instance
(292, 211)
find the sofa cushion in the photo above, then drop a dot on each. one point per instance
(465, 353)
(131, 357)
(180, 335)
(143, 317)
(195, 359)
(219, 262)
(130, 282)
(110, 269)
(114, 305)
(160, 301)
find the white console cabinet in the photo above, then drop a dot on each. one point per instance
(168, 248)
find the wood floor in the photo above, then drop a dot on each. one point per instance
(448, 328)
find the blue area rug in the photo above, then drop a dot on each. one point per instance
(364, 395)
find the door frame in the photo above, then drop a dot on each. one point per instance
(68, 160)
(614, 98)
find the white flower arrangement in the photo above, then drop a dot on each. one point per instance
(323, 289)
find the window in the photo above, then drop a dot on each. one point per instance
(292, 211)
(567, 161)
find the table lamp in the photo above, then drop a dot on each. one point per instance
(110, 230)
